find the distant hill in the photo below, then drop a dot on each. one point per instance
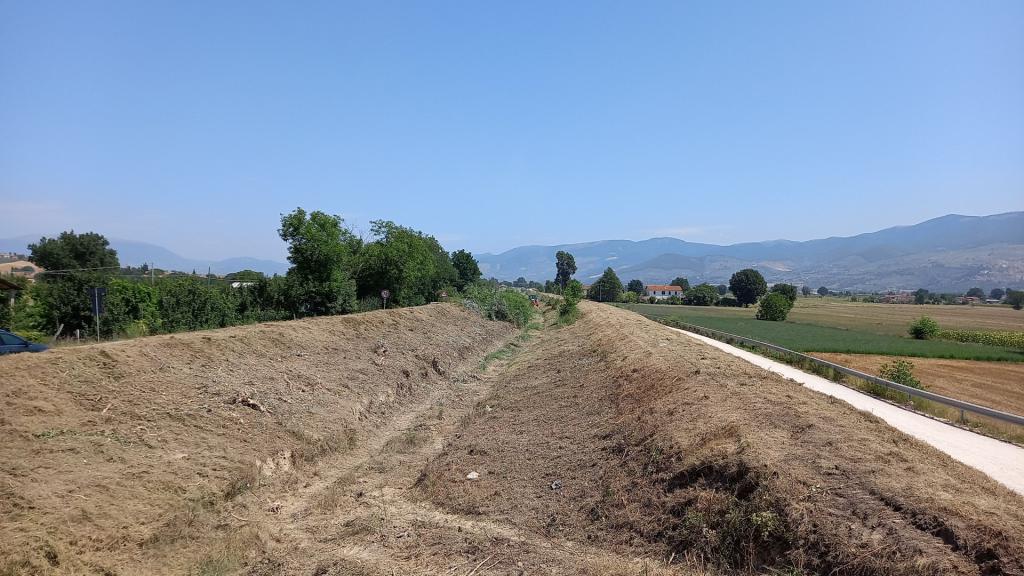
(131, 253)
(950, 253)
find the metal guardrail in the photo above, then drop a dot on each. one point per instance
(924, 394)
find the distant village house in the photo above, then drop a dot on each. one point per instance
(660, 291)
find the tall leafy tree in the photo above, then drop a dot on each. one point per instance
(681, 282)
(636, 286)
(787, 290)
(722, 289)
(322, 253)
(74, 263)
(976, 293)
(822, 291)
(1015, 298)
(467, 270)
(410, 264)
(920, 296)
(565, 266)
(747, 285)
(806, 290)
(701, 295)
(608, 287)
(997, 294)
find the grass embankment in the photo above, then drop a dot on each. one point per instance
(808, 337)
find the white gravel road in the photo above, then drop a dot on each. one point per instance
(1002, 461)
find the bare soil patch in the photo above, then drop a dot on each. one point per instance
(998, 385)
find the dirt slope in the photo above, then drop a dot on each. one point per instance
(613, 446)
(140, 457)
(620, 434)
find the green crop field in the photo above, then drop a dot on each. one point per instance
(807, 337)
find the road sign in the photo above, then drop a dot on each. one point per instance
(97, 297)
(385, 294)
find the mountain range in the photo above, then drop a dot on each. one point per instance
(132, 253)
(949, 253)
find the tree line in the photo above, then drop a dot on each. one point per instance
(747, 287)
(333, 271)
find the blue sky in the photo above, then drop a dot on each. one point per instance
(194, 125)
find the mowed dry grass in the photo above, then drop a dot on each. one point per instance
(619, 433)
(896, 318)
(998, 385)
(139, 457)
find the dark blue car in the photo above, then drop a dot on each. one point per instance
(11, 344)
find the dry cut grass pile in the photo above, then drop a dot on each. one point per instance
(621, 434)
(130, 457)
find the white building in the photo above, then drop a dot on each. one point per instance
(660, 291)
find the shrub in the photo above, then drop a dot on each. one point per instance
(570, 298)
(924, 328)
(901, 372)
(774, 307)
(729, 302)
(503, 305)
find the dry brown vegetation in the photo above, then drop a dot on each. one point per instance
(624, 435)
(896, 318)
(143, 456)
(998, 385)
(342, 446)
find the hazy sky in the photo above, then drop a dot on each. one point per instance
(194, 125)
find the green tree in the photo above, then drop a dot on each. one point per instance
(747, 285)
(636, 287)
(787, 290)
(243, 276)
(681, 282)
(467, 270)
(996, 294)
(920, 296)
(774, 307)
(608, 287)
(701, 295)
(131, 309)
(409, 263)
(975, 293)
(187, 303)
(805, 290)
(722, 289)
(322, 253)
(822, 291)
(565, 266)
(74, 263)
(1015, 298)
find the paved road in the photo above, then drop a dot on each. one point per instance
(1002, 461)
